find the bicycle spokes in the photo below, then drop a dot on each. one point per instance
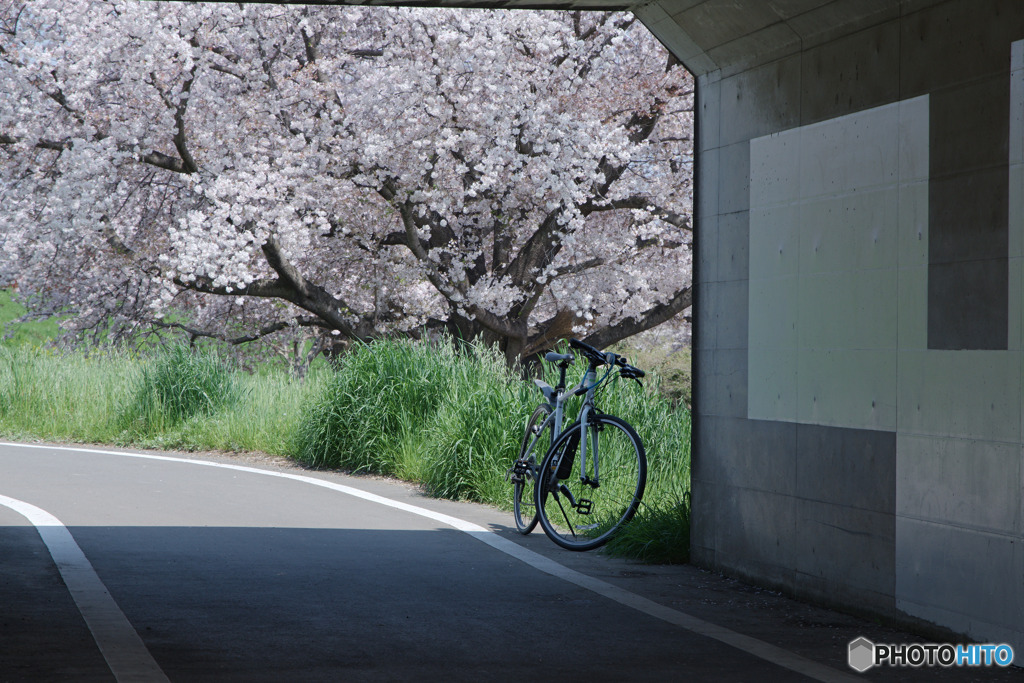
(577, 511)
(523, 473)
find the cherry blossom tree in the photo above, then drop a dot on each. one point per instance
(516, 176)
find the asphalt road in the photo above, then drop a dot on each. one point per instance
(191, 568)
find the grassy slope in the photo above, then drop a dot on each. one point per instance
(32, 333)
(423, 413)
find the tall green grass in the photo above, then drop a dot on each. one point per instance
(449, 418)
(453, 420)
(175, 385)
(379, 396)
(160, 401)
(51, 395)
(421, 411)
(476, 430)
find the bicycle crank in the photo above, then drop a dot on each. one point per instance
(581, 506)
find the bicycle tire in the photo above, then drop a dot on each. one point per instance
(524, 508)
(575, 514)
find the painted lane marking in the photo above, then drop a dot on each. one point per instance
(120, 644)
(753, 646)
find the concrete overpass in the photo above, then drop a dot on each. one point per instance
(859, 288)
(859, 294)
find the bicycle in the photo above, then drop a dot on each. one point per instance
(582, 512)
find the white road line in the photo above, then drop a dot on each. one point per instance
(121, 646)
(753, 646)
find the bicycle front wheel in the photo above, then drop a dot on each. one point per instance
(536, 441)
(580, 508)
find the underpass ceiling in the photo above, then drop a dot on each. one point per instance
(719, 35)
(732, 35)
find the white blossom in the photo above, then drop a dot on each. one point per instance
(156, 150)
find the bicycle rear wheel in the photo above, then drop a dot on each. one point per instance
(536, 441)
(578, 514)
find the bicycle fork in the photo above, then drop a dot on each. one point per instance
(585, 433)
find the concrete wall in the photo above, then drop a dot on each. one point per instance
(860, 218)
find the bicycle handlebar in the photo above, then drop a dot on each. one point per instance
(593, 355)
(596, 359)
(599, 358)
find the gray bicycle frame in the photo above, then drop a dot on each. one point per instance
(587, 385)
(588, 408)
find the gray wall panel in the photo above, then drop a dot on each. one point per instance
(756, 48)
(722, 21)
(839, 18)
(704, 505)
(846, 555)
(723, 380)
(978, 484)
(733, 246)
(976, 576)
(706, 470)
(746, 519)
(968, 207)
(731, 298)
(951, 43)
(860, 289)
(758, 455)
(726, 325)
(734, 178)
(851, 73)
(850, 468)
(709, 110)
(705, 250)
(760, 101)
(705, 334)
(976, 231)
(967, 305)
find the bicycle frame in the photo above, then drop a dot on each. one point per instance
(588, 386)
(557, 397)
(588, 408)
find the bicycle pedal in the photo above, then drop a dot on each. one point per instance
(519, 472)
(584, 506)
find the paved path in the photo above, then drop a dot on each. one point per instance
(139, 566)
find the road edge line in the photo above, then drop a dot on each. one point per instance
(753, 646)
(120, 644)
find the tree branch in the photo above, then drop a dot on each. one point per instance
(180, 140)
(264, 331)
(153, 158)
(639, 202)
(652, 317)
